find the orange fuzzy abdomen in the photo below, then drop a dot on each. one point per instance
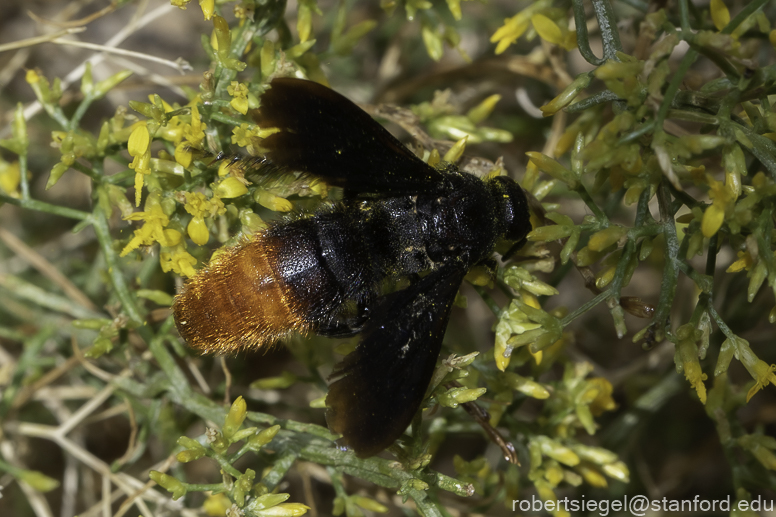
(240, 300)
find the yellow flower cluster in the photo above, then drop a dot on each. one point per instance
(200, 207)
(535, 17)
(173, 256)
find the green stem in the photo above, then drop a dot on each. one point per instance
(42, 206)
(715, 57)
(597, 212)
(115, 271)
(227, 467)
(96, 177)
(634, 135)
(720, 322)
(607, 23)
(692, 116)
(743, 14)
(488, 299)
(583, 40)
(670, 270)
(673, 87)
(23, 179)
(599, 98)
(80, 111)
(628, 251)
(280, 467)
(584, 308)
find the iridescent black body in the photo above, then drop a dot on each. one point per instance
(400, 220)
(344, 253)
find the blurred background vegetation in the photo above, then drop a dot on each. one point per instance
(634, 334)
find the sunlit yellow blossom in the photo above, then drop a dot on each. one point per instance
(566, 96)
(10, 177)
(456, 151)
(183, 154)
(603, 400)
(194, 132)
(231, 187)
(719, 14)
(216, 504)
(304, 20)
(32, 76)
(547, 29)
(140, 150)
(714, 215)
(512, 29)
(686, 358)
(154, 222)
(37, 480)
(242, 134)
(745, 261)
(285, 510)
(713, 218)
(178, 261)
(592, 475)
(239, 93)
(761, 372)
(199, 205)
(601, 240)
(208, 8)
(271, 201)
(198, 231)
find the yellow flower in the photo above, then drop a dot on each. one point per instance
(242, 134)
(271, 201)
(592, 475)
(178, 261)
(686, 356)
(230, 187)
(198, 205)
(601, 240)
(239, 93)
(566, 96)
(194, 132)
(547, 29)
(745, 261)
(456, 151)
(763, 374)
(208, 8)
(719, 14)
(235, 418)
(10, 177)
(714, 215)
(512, 29)
(155, 221)
(197, 230)
(245, 133)
(285, 510)
(140, 150)
(603, 400)
(183, 154)
(201, 207)
(216, 504)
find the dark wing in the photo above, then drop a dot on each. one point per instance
(384, 380)
(325, 134)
